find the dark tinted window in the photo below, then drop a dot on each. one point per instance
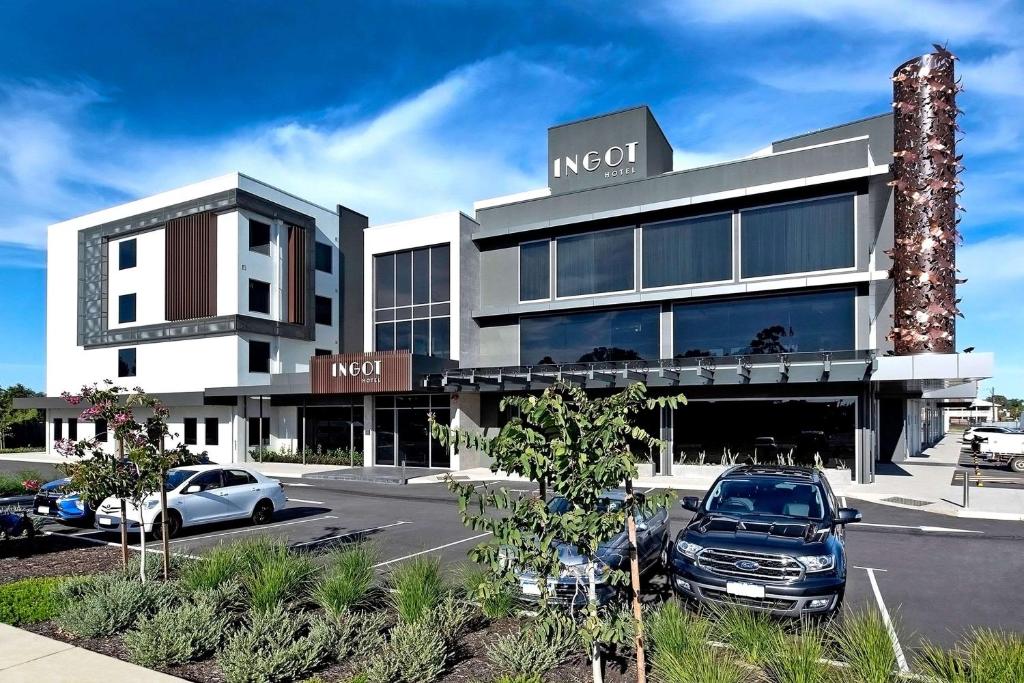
(410, 295)
(255, 429)
(211, 426)
(176, 478)
(630, 334)
(595, 262)
(403, 278)
(322, 352)
(126, 362)
(237, 478)
(207, 480)
(440, 258)
(440, 337)
(766, 496)
(126, 308)
(58, 428)
(259, 296)
(385, 337)
(687, 251)
(259, 356)
(819, 321)
(534, 271)
(323, 310)
(384, 279)
(324, 258)
(126, 254)
(421, 276)
(101, 430)
(191, 427)
(797, 237)
(259, 237)
(73, 428)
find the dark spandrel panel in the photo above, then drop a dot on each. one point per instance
(440, 337)
(797, 238)
(817, 321)
(386, 314)
(384, 279)
(592, 337)
(385, 334)
(324, 258)
(440, 274)
(421, 311)
(595, 262)
(440, 309)
(535, 271)
(403, 278)
(688, 251)
(421, 276)
(324, 307)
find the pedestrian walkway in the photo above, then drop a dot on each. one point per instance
(26, 657)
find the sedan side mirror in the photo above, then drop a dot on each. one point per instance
(847, 516)
(194, 488)
(691, 503)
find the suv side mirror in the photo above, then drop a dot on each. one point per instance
(847, 516)
(194, 488)
(691, 503)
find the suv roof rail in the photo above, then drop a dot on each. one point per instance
(786, 470)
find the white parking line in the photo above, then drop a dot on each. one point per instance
(254, 528)
(901, 660)
(936, 529)
(300, 500)
(430, 550)
(350, 533)
(97, 541)
(842, 501)
(286, 483)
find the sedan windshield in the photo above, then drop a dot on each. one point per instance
(560, 505)
(175, 478)
(766, 496)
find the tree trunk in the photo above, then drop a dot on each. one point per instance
(595, 648)
(142, 546)
(124, 514)
(164, 522)
(634, 579)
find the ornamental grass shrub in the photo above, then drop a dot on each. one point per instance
(983, 656)
(276, 645)
(707, 665)
(108, 604)
(496, 601)
(754, 635)
(417, 587)
(30, 601)
(799, 658)
(177, 634)
(349, 579)
(221, 564)
(279, 578)
(671, 630)
(862, 640)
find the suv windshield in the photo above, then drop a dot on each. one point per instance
(766, 496)
(560, 505)
(175, 478)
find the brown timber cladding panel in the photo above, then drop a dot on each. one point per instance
(190, 281)
(296, 275)
(361, 373)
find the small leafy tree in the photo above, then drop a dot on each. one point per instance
(11, 416)
(579, 447)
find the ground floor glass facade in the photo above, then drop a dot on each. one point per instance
(402, 430)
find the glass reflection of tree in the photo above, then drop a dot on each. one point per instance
(602, 354)
(770, 340)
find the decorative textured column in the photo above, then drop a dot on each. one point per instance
(925, 177)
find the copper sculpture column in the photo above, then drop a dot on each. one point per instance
(925, 170)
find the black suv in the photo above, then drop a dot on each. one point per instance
(769, 538)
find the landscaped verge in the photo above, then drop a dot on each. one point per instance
(308, 456)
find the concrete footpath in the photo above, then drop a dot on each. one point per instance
(26, 657)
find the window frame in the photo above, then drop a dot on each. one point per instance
(317, 250)
(554, 265)
(216, 431)
(270, 354)
(317, 299)
(135, 307)
(519, 269)
(258, 248)
(801, 273)
(190, 424)
(638, 306)
(733, 245)
(135, 361)
(253, 280)
(120, 253)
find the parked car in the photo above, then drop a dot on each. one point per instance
(981, 430)
(570, 588)
(771, 538)
(54, 499)
(201, 494)
(1001, 448)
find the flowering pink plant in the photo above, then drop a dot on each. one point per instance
(31, 485)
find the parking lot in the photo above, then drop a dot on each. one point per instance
(935, 575)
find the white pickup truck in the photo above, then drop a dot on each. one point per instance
(1006, 449)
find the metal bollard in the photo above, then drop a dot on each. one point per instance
(967, 489)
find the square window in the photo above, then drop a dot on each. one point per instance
(126, 254)
(191, 425)
(324, 258)
(212, 428)
(259, 237)
(259, 356)
(126, 362)
(126, 308)
(323, 310)
(58, 428)
(259, 297)
(73, 428)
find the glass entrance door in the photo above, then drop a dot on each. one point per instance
(403, 431)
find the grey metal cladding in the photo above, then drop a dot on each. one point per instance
(93, 268)
(878, 128)
(632, 196)
(351, 225)
(207, 327)
(595, 152)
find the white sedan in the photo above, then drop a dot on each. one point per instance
(201, 494)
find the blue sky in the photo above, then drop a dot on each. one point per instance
(406, 108)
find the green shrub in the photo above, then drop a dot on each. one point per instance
(416, 653)
(862, 641)
(357, 633)
(221, 564)
(518, 679)
(30, 601)
(417, 587)
(706, 665)
(983, 656)
(450, 617)
(528, 652)
(497, 600)
(799, 659)
(754, 635)
(672, 630)
(13, 484)
(349, 579)
(109, 603)
(175, 635)
(276, 645)
(333, 456)
(227, 598)
(272, 575)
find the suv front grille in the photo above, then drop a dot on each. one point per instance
(771, 568)
(761, 603)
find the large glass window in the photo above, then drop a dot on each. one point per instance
(595, 262)
(334, 427)
(411, 301)
(403, 433)
(535, 271)
(817, 321)
(687, 251)
(126, 254)
(798, 237)
(592, 337)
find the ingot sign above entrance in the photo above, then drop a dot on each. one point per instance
(611, 160)
(361, 373)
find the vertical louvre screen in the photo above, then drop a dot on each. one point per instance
(297, 284)
(190, 280)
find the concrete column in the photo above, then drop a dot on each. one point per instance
(369, 431)
(467, 416)
(666, 435)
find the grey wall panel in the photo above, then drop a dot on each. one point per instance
(500, 287)
(470, 284)
(878, 128)
(499, 346)
(351, 225)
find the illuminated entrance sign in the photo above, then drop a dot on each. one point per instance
(361, 373)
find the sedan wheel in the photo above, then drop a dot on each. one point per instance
(263, 513)
(173, 526)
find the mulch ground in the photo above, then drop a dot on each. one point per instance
(21, 558)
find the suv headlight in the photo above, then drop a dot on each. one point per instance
(817, 563)
(688, 549)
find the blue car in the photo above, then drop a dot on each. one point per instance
(55, 500)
